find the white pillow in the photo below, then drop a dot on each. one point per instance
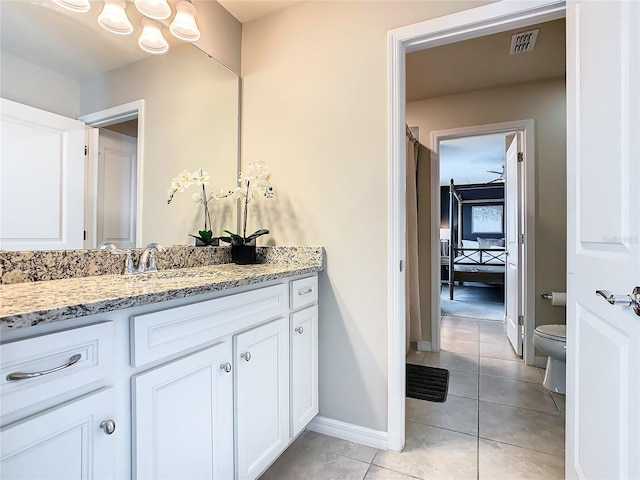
(470, 244)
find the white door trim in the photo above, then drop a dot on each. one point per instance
(118, 114)
(527, 129)
(477, 22)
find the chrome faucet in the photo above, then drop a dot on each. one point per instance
(147, 262)
(107, 246)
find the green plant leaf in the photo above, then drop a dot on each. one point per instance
(205, 236)
(235, 238)
(257, 234)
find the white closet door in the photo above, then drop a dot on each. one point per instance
(116, 205)
(41, 179)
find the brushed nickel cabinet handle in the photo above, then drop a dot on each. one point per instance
(226, 367)
(109, 426)
(23, 376)
(246, 356)
(299, 330)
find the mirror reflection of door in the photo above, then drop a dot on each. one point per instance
(116, 185)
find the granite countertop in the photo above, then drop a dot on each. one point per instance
(31, 303)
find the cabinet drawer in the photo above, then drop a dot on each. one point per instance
(168, 332)
(54, 358)
(304, 292)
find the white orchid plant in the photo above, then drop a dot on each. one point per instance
(254, 183)
(199, 178)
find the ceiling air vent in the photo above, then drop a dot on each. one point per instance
(523, 42)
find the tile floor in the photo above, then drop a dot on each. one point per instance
(498, 422)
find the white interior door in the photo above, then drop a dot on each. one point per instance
(513, 279)
(41, 179)
(116, 190)
(603, 340)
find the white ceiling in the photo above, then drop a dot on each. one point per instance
(247, 10)
(485, 62)
(470, 159)
(475, 65)
(73, 44)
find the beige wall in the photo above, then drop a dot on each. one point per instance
(221, 33)
(191, 122)
(315, 108)
(38, 87)
(544, 102)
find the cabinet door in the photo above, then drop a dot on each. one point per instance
(183, 418)
(262, 396)
(304, 368)
(64, 443)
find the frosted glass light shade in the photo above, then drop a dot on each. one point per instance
(114, 18)
(184, 24)
(156, 9)
(151, 39)
(78, 6)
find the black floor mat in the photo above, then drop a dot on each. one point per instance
(427, 383)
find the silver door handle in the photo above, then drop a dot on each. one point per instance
(632, 300)
(23, 376)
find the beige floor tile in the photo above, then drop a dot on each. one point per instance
(498, 350)
(516, 394)
(514, 370)
(457, 345)
(538, 431)
(335, 445)
(542, 372)
(451, 361)
(457, 413)
(469, 323)
(433, 453)
(415, 356)
(492, 337)
(499, 461)
(379, 473)
(302, 463)
(486, 326)
(459, 333)
(560, 401)
(463, 384)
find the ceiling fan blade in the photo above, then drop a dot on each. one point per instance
(493, 171)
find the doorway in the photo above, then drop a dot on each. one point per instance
(486, 265)
(454, 28)
(114, 176)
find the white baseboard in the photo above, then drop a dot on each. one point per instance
(349, 432)
(540, 362)
(424, 346)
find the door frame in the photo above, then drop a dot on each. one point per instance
(526, 127)
(488, 19)
(104, 118)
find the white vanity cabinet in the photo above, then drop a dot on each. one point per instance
(262, 396)
(183, 418)
(65, 442)
(209, 387)
(58, 388)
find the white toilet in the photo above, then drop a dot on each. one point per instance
(552, 341)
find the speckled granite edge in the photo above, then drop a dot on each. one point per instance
(32, 303)
(36, 266)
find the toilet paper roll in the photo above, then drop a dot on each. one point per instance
(558, 299)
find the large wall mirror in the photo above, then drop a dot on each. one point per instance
(154, 116)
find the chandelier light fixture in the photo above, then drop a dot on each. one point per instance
(114, 19)
(151, 39)
(77, 6)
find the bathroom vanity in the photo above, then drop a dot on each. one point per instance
(206, 372)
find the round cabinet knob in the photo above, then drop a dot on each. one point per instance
(226, 367)
(246, 356)
(299, 330)
(109, 426)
